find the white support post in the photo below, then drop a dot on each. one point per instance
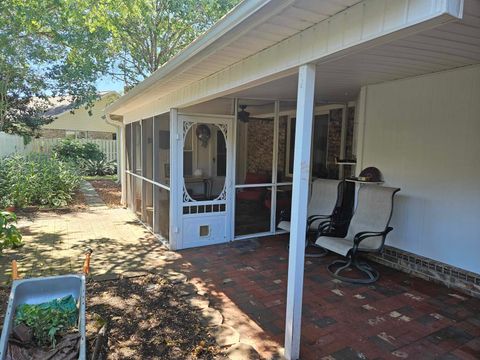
(273, 200)
(176, 182)
(301, 185)
(122, 162)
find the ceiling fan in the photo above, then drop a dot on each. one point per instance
(244, 116)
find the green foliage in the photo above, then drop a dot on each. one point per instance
(47, 47)
(10, 237)
(147, 33)
(99, 167)
(62, 47)
(36, 180)
(76, 151)
(47, 320)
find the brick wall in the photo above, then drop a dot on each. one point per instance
(52, 133)
(260, 146)
(60, 134)
(260, 143)
(101, 135)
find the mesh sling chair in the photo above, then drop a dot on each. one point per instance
(330, 199)
(366, 233)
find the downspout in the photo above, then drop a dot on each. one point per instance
(117, 121)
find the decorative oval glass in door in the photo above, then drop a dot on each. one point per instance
(204, 161)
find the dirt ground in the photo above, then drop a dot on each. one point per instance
(147, 318)
(109, 191)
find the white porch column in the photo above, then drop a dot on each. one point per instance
(122, 162)
(301, 185)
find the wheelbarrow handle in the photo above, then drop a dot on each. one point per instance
(15, 270)
(86, 264)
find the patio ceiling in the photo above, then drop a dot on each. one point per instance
(449, 46)
(252, 26)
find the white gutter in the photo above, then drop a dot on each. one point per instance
(198, 49)
(120, 154)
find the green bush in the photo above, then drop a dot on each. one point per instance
(76, 151)
(10, 237)
(36, 180)
(99, 167)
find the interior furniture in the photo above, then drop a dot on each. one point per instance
(256, 194)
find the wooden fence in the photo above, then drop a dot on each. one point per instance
(11, 144)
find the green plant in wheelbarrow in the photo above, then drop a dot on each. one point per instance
(48, 320)
(10, 237)
(99, 167)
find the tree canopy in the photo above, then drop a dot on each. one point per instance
(62, 47)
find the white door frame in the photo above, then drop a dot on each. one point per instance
(181, 122)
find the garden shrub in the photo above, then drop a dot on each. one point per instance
(10, 237)
(36, 180)
(76, 151)
(99, 167)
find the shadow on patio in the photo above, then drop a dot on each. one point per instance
(398, 317)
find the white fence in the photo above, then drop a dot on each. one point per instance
(10, 144)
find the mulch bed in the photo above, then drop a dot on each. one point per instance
(78, 204)
(146, 317)
(109, 191)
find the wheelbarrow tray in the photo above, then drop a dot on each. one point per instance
(40, 290)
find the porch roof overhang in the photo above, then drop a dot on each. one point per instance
(371, 41)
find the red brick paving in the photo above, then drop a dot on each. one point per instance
(398, 317)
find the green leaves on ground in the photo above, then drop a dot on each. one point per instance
(47, 320)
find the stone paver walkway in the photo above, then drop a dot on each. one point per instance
(55, 244)
(93, 200)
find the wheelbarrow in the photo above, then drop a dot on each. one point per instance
(43, 289)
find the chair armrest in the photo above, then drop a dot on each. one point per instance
(284, 215)
(313, 218)
(359, 237)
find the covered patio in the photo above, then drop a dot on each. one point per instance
(224, 140)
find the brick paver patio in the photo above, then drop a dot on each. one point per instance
(399, 317)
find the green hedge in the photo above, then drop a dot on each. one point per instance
(36, 180)
(76, 151)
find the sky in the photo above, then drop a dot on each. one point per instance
(107, 83)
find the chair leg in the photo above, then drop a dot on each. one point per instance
(318, 250)
(336, 267)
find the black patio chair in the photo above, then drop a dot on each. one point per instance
(330, 201)
(366, 233)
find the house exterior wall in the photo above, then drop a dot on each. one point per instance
(80, 120)
(79, 134)
(423, 134)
